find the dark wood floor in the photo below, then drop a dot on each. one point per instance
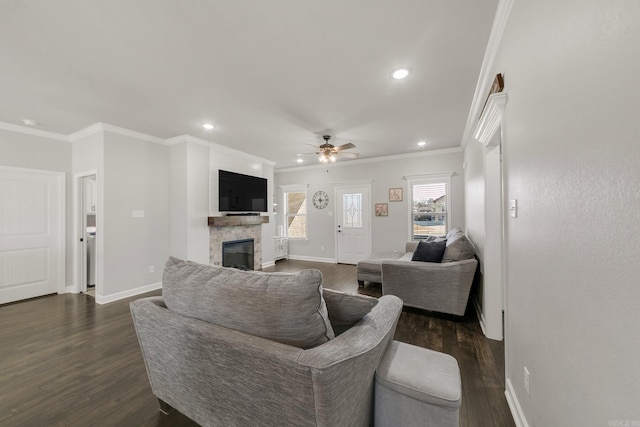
(65, 361)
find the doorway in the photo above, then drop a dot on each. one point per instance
(87, 229)
(353, 229)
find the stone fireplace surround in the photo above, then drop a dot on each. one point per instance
(227, 228)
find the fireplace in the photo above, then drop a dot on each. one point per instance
(238, 254)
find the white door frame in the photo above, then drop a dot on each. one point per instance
(61, 226)
(489, 132)
(78, 233)
(493, 298)
(336, 216)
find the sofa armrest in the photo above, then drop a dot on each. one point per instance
(343, 369)
(442, 287)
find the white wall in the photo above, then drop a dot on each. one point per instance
(572, 159)
(178, 241)
(22, 150)
(269, 230)
(189, 200)
(388, 233)
(475, 196)
(135, 178)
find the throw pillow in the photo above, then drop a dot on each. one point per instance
(458, 249)
(346, 309)
(284, 307)
(429, 251)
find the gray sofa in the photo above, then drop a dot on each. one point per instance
(443, 287)
(232, 348)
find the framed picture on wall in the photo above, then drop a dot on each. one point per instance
(395, 194)
(382, 209)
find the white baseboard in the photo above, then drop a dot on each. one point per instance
(514, 406)
(71, 290)
(476, 305)
(268, 264)
(314, 259)
(105, 299)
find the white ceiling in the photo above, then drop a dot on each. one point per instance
(271, 75)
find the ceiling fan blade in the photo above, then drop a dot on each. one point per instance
(345, 146)
(352, 155)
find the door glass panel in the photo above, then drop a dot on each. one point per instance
(352, 210)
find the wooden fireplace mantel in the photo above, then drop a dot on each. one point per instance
(232, 221)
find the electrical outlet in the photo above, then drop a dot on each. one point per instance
(152, 269)
(527, 381)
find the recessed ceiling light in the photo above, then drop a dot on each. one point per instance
(207, 126)
(29, 122)
(422, 143)
(400, 73)
(299, 160)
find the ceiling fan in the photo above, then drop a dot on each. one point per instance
(328, 152)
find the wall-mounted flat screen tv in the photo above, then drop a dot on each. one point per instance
(241, 193)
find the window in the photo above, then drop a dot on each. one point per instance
(295, 205)
(352, 210)
(429, 205)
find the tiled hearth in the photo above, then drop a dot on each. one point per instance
(224, 229)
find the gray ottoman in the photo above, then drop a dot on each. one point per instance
(415, 386)
(370, 268)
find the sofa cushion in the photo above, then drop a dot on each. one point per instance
(429, 251)
(454, 233)
(284, 307)
(371, 264)
(458, 248)
(346, 309)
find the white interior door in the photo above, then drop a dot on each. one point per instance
(31, 233)
(352, 224)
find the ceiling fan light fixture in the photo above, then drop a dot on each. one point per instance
(400, 73)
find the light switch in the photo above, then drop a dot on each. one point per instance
(138, 214)
(513, 208)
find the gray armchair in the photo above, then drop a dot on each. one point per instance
(223, 377)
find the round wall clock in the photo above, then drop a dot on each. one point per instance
(320, 200)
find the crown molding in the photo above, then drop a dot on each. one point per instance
(486, 71)
(83, 133)
(105, 127)
(132, 133)
(31, 131)
(220, 148)
(411, 155)
(491, 118)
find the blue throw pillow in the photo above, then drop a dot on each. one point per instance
(429, 251)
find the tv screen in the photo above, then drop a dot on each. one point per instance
(241, 193)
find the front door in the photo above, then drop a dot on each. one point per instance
(31, 233)
(352, 224)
